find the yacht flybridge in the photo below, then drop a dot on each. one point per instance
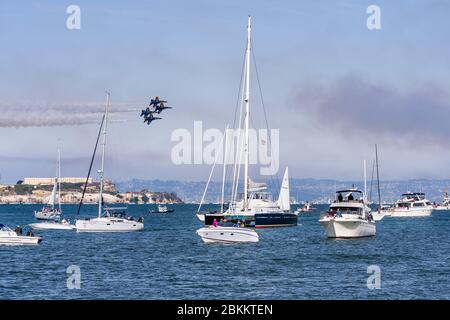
(348, 216)
(412, 204)
(254, 207)
(109, 219)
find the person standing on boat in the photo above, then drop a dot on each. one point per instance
(215, 223)
(340, 198)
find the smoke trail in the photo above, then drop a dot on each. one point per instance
(16, 115)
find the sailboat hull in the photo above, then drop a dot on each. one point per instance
(249, 219)
(105, 224)
(47, 215)
(271, 220)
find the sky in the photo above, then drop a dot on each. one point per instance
(331, 86)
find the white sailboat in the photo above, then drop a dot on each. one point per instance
(255, 207)
(57, 223)
(11, 237)
(50, 212)
(349, 215)
(108, 219)
(379, 214)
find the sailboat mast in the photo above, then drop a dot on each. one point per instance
(378, 179)
(247, 112)
(102, 171)
(365, 181)
(59, 180)
(224, 172)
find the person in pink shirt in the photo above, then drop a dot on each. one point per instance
(215, 223)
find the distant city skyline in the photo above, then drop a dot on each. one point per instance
(331, 86)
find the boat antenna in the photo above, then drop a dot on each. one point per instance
(378, 179)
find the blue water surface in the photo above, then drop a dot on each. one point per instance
(169, 261)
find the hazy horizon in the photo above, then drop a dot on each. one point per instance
(331, 86)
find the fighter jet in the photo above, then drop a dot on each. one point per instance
(145, 112)
(155, 102)
(161, 107)
(150, 117)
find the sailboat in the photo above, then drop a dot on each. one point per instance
(109, 219)
(50, 212)
(255, 208)
(380, 213)
(58, 222)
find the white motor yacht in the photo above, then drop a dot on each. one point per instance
(413, 204)
(162, 209)
(348, 216)
(11, 237)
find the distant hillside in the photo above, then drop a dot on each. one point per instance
(72, 193)
(317, 190)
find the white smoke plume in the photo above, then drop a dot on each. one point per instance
(16, 115)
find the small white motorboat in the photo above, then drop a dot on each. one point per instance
(227, 234)
(306, 208)
(162, 209)
(12, 238)
(53, 225)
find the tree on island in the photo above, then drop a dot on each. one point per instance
(135, 200)
(144, 198)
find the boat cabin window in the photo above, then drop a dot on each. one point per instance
(256, 195)
(403, 205)
(418, 204)
(345, 210)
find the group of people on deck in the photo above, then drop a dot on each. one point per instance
(224, 223)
